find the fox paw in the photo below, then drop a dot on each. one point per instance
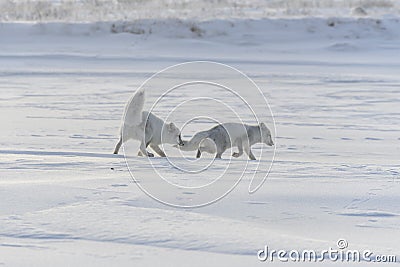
(236, 155)
(149, 154)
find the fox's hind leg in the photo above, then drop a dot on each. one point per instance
(118, 146)
(158, 150)
(198, 155)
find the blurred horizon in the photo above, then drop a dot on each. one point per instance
(125, 10)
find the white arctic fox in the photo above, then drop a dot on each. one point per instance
(227, 135)
(147, 128)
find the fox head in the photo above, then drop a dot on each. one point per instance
(266, 137)
(172, 134)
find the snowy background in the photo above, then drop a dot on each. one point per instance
(112, 10)
(330, 70)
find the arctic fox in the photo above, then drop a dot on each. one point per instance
(227, 135)
(147, 128)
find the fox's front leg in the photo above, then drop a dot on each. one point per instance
(158, 150)
(143, 150)
(251, 155)
(240, 147)
(247, 150)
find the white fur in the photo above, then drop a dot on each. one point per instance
(146, 127)
(224, 136)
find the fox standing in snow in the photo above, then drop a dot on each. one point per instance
(147, 128)
(224, 136)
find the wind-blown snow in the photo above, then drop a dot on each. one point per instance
(65, 198)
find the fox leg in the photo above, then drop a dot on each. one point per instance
(198, 155)
(247, 150)
(149, 154)
(118, 146)
(219, 153)
(158, 150)
(240, 147)
(251, 155)
(146, 139)
(238, 154)
(143, 150)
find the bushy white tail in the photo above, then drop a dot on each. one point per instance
(133, 112)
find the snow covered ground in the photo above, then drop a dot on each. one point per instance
(65, 199)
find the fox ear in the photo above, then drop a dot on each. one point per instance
(262, 124)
